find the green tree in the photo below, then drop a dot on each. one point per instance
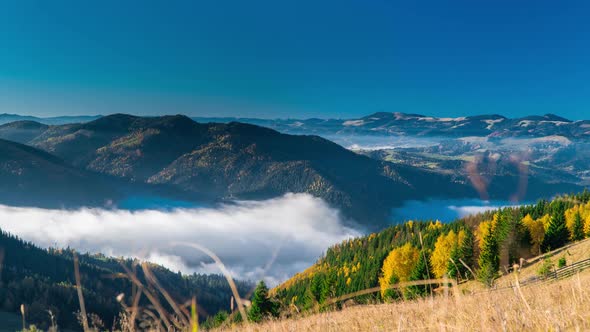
(489, 258)
(557, 234)
(262, 305)
(466, 252)
(420, 272)
(320, 287)
(578, 228)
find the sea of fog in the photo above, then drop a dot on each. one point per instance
(377, 142)
(271, 239)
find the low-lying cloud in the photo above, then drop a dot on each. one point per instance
(270, 239)
(381, 142)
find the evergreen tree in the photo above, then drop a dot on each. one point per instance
(466, 251)
(420, 272)
(489, 259)
(262, 306)
(578, 228)
(557, 234)
(320, 287)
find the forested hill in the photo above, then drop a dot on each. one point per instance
(33, 177)
(487, 243)
(44, 280)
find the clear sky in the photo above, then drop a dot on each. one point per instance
(282, 58)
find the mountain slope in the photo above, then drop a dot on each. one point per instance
(22, 131)
(33, 177)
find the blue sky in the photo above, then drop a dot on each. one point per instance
(295, 58)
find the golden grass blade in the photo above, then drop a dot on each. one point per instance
(80, 295)
(224, 271)
(154, 281)
(151, 297)
(194, 316)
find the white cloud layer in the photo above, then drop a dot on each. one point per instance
(269, 239)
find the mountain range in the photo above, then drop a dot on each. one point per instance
(396, 123)
(233, 161)
(388, 123)
(225, 161)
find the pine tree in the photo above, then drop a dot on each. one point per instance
(262, 306)
(578, 228)
(320, 287)
(557, 233)
(420, 272)
(489, 259)
(466, 251)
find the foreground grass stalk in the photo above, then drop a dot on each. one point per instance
(84, 317)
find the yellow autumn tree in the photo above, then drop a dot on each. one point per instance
(584, 210)
(433, 226)
(537, 230)
(546, 220)
(484, 229)
(398, 266)
(443, 249)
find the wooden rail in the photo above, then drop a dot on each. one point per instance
(562, 273)
(570, 270)
(444, 282)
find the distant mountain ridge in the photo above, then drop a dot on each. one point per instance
(403, 124)
(57, 120)
(387, 123)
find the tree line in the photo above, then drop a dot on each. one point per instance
(476, 247)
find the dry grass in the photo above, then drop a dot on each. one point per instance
(557, 306)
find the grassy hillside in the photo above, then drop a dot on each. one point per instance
(558, 306)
